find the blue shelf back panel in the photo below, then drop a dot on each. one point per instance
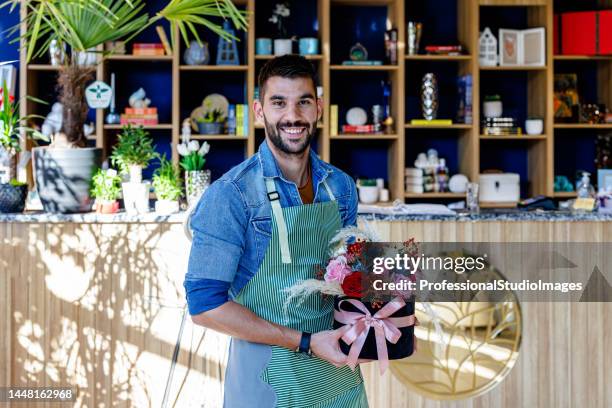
(361, 158)
(302, 21)
(445, 142)
(438, 28)
(575, 151)
(446, 75)
(366, 25)
(586, 73)
(512, 87)
(510, 156)
(196, 85)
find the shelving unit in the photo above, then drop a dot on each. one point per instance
(471, 152)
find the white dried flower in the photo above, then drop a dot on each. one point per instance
(193, 146)
(182, 149)
(204, 149)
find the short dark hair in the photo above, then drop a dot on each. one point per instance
(286, 66)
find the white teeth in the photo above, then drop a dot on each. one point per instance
(293, 130)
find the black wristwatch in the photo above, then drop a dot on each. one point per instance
(304, 346)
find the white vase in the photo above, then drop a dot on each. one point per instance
(136, 197)
(135, 173)
(166, 207)
(534, 126)
(493, 109)
(283, 47)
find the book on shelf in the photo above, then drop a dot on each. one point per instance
(242, 120)
(433, 122)
(333, 120)
(164, 39)
(138, 121)
(358, 129)
(464, 108)
(148, 49)
(361, 63)
(444, 49)
(141, 111)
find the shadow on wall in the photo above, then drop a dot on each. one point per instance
(97, 307)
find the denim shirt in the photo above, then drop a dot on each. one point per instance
(232, 224)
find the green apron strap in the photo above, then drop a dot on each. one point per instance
(277, 211)
(331, 195)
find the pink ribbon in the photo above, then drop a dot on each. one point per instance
(385, 328)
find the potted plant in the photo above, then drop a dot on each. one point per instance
(211, 123)
(133, 152)
(106, 190)
(13, 194)
(63, 170)
(492, 106)
(192, 161)
(368, 191)
(167, 185)
(282, 45)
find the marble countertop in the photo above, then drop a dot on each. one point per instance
(152, 217)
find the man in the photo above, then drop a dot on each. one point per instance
(259, 229)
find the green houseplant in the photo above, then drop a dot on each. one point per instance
(133, 152)
(62, 172)
(13, 194)
(106, 189)
(211, 123)
(167, 185)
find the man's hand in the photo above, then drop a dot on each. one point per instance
(325, 346)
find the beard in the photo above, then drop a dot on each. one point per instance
(274, 133)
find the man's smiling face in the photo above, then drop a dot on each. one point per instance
(290, 111)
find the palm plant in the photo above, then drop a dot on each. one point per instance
(86, 24)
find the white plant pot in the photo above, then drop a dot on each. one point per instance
(135, 173)
(283, 47)
(136, 197)
(368, 194)
(493, 109)
(165, 207)
(534, 126)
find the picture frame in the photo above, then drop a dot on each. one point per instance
(604, 180)
(522, 47)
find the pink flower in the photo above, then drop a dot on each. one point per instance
(337, 270)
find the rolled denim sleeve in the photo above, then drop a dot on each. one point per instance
(351, 215)
(218, 225)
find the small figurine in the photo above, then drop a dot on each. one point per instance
(139, 100)
(358, 53)
(197, 54)
(53, 122)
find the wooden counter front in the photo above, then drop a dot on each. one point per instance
(98, 306)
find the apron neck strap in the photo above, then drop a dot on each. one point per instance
(277, 212)
(332, 197)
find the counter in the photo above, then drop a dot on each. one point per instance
(96, 301)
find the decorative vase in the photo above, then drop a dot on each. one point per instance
(196, 182)
(135, 173)
(368, 194)
(166, 207)
(534, 126)
(136, 197)
(283, 47)
(429, 96)
(63, 177)
(210, 128)
(492, 109)
(107, 207)
(196, 54)
(12, 198)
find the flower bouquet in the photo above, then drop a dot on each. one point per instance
(381, 323)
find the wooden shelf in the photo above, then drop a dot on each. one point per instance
(426, 57)
(363, 137)
(218, 137)
(514, 68)
(582, 57)
(513, 137)
(308, 57)
(453, 126)
(214, 68)
(161, 126)
(363, 67)
(434, 195)
(583, 125)
(515, 3)
(130, 57)
(565, 194)
(43, 67)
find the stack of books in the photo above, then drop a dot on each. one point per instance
(501, 127)
(444, 49)
(242, 120)
(139, 116)
(148, 49)
(360, 129)
(464, 108)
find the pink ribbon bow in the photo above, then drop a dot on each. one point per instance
(385, 328)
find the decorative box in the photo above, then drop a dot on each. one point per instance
(586, 33)
(500, 187)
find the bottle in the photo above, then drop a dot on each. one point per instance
(585, 189)
(442, 175)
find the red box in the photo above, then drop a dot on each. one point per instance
(586, 33)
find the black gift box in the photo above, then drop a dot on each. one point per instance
(402, 349)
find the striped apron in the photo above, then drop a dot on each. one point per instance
(259, 375)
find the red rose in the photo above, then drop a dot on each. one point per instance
(352, 285)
